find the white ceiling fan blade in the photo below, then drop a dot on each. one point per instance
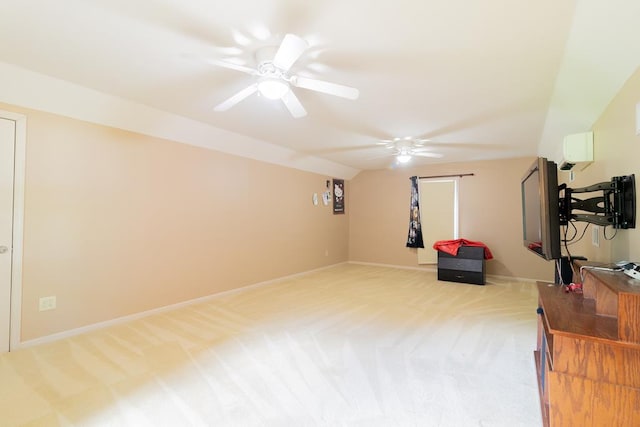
(233, 100)
(233, 66)
(326, 87)
(293, 104)
(291, 48)
(427, 154)
(387, 143)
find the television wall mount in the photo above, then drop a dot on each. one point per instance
(616, 206)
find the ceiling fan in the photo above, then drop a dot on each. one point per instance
(274, 81)
(406, 148)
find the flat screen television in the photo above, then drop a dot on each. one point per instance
(540, 209)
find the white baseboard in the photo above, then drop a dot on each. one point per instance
(403, 267)
(136, 316)
(434, 268)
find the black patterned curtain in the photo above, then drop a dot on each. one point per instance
(414, 240)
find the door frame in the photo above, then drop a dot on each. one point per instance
(20, 121)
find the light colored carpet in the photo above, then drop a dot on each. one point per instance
(352, 345)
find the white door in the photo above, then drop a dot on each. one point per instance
(438, 215)
(7, 159)
(13, 129)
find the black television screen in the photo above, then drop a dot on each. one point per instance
(540, 209)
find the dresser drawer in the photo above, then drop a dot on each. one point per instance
(462, 276)
(462, 264)
(466, 267)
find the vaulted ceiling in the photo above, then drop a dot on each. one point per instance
(477, 80)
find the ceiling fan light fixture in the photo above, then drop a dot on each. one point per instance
(404, 155)
(273, 78)
(273, 88)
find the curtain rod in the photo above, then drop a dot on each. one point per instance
(446, 176)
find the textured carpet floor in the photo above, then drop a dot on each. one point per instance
(352, 345)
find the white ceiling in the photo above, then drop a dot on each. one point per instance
(481, 80)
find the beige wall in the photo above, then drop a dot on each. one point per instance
(616, 152)
(118, 223)
(490, 211)
(490, 208)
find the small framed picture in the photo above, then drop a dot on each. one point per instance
(338, 196)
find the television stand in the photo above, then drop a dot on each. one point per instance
(588, 350)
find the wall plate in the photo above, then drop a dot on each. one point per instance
(595, 236)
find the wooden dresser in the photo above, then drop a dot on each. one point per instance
(588, 351)
(468, 266)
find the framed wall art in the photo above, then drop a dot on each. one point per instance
(338, 196)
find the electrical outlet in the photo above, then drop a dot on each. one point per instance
(595, 236)
(47, 303)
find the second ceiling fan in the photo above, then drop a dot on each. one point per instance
(407, 147)
(274, 81)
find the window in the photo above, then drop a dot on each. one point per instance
(438, 214)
